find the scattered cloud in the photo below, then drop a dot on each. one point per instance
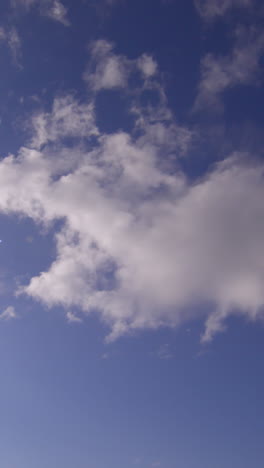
(214, 324)
(58, 12)
(8, 314)
(147, 65)
(108, 70)
(68, 119)
(53, 9)
(72, 318)
(164, 352)
(211, 9)
(105, 356)
(240, 67)
(12, 39)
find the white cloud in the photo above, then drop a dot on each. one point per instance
(58, 12)
(164, 352)
(240, 67)
(68, 119)
(141, 245)
(147, 65)
(53, 9)
(11, 37)
(8, 314)
(210, 9)
(108, 70)
(72, 318)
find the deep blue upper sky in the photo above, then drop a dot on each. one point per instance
(131, 227)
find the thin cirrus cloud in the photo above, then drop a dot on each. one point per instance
(141, 245)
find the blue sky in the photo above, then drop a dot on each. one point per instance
(131, 227)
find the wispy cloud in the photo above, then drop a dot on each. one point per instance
(164, 352)
(53, 9)
(240, 67)
(72, 318)
(58, 12)
(105, 356)
(8, 314)
(108, 70)
(211, 9)
(68, 118)
(12, 39)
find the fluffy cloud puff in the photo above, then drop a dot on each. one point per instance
(141, 245)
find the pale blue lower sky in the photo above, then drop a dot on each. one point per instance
(62, 405)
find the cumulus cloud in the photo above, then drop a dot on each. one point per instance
(140, 244)
(8, 314)
(12, 39)
(240, 67)
(211, 9)
(53, 9)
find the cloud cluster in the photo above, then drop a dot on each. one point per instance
(141, 245)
